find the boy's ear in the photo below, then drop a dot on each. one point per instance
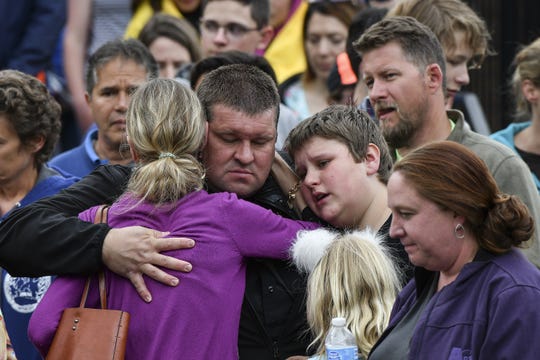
(373, 159)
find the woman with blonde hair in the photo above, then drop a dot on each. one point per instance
(524, 137)
(355, 278)
(166, 129)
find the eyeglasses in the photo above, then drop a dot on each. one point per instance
(232, 29)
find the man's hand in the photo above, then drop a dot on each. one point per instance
(135, 250)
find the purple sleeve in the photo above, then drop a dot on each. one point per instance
(89, 215)
(404, 301)
(514, 325)
(65, 292)
(259, 232)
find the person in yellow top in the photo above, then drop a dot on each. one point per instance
(285, 51)
(144, 9)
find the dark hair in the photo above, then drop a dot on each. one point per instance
(343, 11)
(348, 125)
(178, 30)
(241, 87)
(210, 63)
(130, 49)
(260, 10)
(456, 179)
(360, 23)
(31, 110)
(418, 43)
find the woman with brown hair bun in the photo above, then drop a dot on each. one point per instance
(474, 294)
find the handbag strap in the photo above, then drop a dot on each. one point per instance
(102, 291)
(101, 217)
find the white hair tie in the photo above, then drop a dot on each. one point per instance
(167, 155)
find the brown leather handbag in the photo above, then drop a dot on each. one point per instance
(88, 334)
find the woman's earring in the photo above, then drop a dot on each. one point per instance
(459, 231)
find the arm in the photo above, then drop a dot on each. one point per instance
(62, 244)
(75, 45)
(514, 322)
(289, 183)
(41, 37)
(259, 232)
(65, 292)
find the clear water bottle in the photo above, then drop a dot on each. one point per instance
(340, 342)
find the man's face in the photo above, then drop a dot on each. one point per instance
(116, 82)
(240, 150)
(228, 25)
(457, 67)
(397, 91)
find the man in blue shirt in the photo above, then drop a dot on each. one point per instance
(114, 72)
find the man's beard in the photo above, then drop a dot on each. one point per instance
(409, 123)
(399, 135)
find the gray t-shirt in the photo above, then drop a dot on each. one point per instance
(396, 344)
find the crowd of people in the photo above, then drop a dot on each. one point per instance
(270, 165)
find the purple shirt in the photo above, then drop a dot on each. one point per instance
(199, 318)
(489, 312)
